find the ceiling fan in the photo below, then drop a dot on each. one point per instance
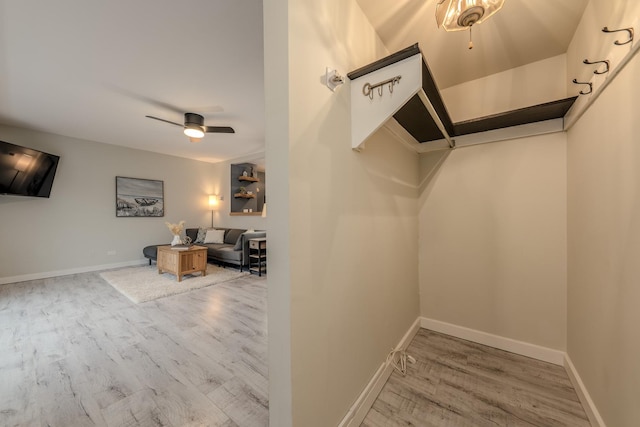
(194, 126)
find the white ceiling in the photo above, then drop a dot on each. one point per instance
(523, 31)
(94, 69)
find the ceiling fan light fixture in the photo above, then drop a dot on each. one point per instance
(193, 125)
(459, 15)
(193, 131)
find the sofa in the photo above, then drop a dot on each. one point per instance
(233, 251)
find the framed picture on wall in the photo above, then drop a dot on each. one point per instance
(139, 197)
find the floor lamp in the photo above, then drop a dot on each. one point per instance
(213, 202)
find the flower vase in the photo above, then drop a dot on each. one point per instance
(176, 240)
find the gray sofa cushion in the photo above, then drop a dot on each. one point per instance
(232, 236)
(192, 233)
(150, 252)
(233, 251)
(227, 254)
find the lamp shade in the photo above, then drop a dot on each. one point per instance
(458, 15)
(213, 200)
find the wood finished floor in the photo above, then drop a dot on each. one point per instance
(460, 383)
(75, 352)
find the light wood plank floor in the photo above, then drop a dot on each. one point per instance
(460, 383)
(75, 352)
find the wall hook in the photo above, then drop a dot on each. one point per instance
(618, 42)
(584, 83)
(605, 62)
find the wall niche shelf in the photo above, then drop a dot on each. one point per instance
(244, 196)
(248, 178)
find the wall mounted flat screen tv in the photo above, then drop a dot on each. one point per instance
(25, 171)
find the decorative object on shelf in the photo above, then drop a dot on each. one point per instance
(245, 173)
(618, 42)
(139, 197)
(605, 62)
(175, 229)
(367, 89)
(243, 190)
(582, 92)
(254, 173)
(459, 15)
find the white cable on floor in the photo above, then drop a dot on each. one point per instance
(398, 358)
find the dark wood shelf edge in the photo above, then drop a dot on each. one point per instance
(387, 60)
(535, 113)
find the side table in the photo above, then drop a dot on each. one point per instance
(258, 255)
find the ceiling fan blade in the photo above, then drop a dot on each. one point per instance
(166, 121)
(219, 129)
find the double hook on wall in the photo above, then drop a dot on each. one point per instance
(596, 71)
(582, 92)
(618, 42)
(607, 64)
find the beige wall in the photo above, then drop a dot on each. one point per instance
(350, 258)
(76, 227)
(532, 84)
(604, 248)
(493, 239)
(277, 104)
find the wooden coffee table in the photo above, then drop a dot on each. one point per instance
(181, 262)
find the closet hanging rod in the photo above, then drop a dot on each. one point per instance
(584, 83)
(367, 89)
(605, 62)
(618, 42)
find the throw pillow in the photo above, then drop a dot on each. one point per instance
(214, 236)
(202, 232)
(238, 245)
(232, 236)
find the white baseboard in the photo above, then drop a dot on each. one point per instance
(363, 404)
(47, 274)
(359, 409)
(519, 347)
(589, 407)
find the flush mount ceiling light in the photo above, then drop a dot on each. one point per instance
(193, 125)
(459, 15)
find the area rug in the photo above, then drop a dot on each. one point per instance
(141, 284)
